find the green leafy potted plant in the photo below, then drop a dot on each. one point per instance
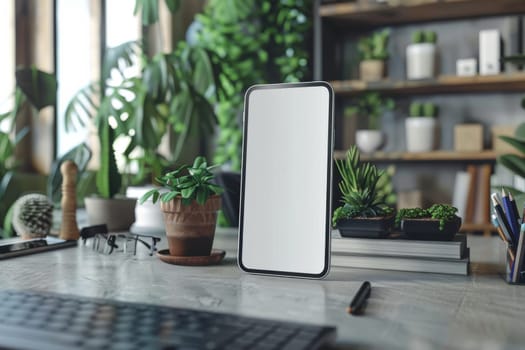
(421, 55)
(171, 93)
(371, 106)
(373, 52)
(365, 211)
(420, 127)
(189, 205)
(439, 222)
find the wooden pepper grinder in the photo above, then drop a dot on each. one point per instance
(69, 229)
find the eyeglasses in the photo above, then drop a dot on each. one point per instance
(106, 242)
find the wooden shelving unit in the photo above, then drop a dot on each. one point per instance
(435, 156)
(442, 85)
(351, 14)
(337, 24)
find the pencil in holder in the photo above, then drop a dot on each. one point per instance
(509, 269)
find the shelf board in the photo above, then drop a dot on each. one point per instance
(471, 227)
(361, 14)
(434, 156)
(444, 84)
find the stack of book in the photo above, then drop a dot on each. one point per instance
(398, 253)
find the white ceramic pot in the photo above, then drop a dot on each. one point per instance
(369, 141)
(147, 214)
(420, 133)
(421, 61)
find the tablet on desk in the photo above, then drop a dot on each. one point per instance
(18, 247)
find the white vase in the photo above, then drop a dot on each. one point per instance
(421, 61)
(420, 133)
(369, 141)
(147, 214)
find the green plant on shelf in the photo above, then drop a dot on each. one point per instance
(442, 212)
(371, 106)
(375, 46)
(418, 109)
(424, 36)
(360, 188)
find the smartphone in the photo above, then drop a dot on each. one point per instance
(18, 247)
(286, 180)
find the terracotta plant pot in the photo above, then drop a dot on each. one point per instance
(190, 228)
(372, 70)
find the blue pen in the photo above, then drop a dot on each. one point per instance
(510, 216)
(515, 211)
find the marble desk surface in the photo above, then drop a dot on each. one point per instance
(406, 310)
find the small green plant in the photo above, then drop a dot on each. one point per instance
(424, 36)
(372, 106)
(360, 189)
(442, 212)
(418, 109)
(189, 182)
(375, 46)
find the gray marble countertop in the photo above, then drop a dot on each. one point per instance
(406, 310)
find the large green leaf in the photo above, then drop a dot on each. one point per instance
(119, 58)
(514, 163)
(518, 144)
(39, 87)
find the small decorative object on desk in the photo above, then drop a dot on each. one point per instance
(69, 228)
(439, 222)
(190, 214)
(365, 195)
(32, 216)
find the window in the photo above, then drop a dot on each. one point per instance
(7, 58)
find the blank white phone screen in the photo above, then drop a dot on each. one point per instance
(286, 179)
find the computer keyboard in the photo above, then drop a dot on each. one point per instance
(38, 320)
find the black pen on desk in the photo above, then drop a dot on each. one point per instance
(500, 215)
(358, 302)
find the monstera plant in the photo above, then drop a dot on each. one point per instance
(170, 92)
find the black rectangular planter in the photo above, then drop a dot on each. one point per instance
(374, 227)
(427, 229)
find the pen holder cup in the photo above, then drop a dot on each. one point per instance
(509, 261)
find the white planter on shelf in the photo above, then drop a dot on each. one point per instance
(421, 60)
(369, 141)
(420, 134)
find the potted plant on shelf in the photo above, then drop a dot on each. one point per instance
(421, 55)
(439, 222)
(189, 205)
(420, 127)
(365, 211)
(373, 52)
(371, 106)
